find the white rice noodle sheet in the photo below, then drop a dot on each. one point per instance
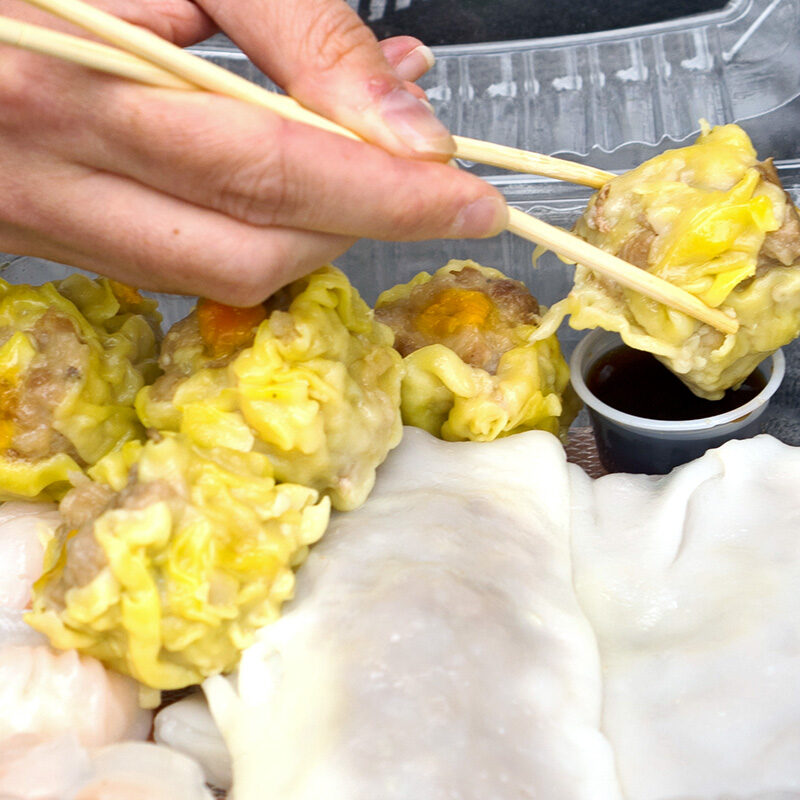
(60, 768)
(435, 647)
(692, 582)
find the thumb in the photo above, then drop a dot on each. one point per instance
(321, 53)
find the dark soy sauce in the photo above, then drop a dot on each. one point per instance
(637, 383)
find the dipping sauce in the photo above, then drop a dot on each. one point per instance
(635, 382)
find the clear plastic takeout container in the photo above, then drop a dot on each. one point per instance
(610, 99)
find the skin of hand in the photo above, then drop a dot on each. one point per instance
(194, 193)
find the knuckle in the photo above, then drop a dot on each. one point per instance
(247, 177)
(407, 218)
(259, 190)
(249, 284)
(411, 211)
(24, 88)
(157, 15)
(334, 37)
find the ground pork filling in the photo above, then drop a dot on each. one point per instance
(80, 509)
(466, 311)
(28, 408)
(181, 353)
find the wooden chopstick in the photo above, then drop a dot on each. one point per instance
(516, 160)
(204, 74)
(87, 53)
(580, 251)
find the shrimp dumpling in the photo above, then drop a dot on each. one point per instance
(25, 529)
(45, 692)
(60, 768)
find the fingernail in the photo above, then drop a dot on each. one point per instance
(415, 63)
(427, 105)
(414, 124)
(485, 217)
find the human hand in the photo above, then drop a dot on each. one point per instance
(195, 193)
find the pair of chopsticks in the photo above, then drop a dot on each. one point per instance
(149, 59)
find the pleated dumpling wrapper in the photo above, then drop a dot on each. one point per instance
(691, 582)
(713, 220)
(25, 529)
(435, 647)
(473, 370)
(45, 692)
(61, 768)
(170, 560)
(73, 356)
(309, 378)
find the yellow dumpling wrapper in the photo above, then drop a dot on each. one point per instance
(317, 390)
(458, 401)
(713, 220)
(191, 553)
(73, 356)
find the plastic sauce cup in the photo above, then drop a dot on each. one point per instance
(627, 443)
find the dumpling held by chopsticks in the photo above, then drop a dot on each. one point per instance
(711, 219)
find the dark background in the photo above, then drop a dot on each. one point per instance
(463, 21)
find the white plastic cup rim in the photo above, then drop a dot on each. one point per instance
(741, 415)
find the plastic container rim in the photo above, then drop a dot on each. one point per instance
(758, 403)
(730, 12)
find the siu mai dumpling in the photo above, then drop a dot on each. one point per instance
(473, 367)
(170, 560)
(309, 379)
(713, 220)
(73, 355)
(435, 647)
